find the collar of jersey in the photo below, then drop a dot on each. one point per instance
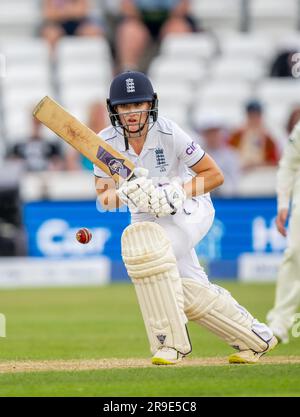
(150, 143)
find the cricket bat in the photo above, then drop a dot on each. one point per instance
(83, 139)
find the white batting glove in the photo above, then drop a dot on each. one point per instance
(167, 199)
(136, 193)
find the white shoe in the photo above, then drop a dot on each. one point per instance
(281, 334)
(249, 356)
(166, 356)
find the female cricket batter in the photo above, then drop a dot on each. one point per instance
(171, 211)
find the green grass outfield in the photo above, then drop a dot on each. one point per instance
(54, 333)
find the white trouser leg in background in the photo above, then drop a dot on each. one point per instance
(287, 299)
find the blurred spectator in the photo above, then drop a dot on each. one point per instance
(97, 121)
(143, 21)
(68, 18)
(294, 117)
(214, 141)
(12, 234)
(254, 143)
(283, 63)
(36, 153)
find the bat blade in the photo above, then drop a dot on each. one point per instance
(83, 139)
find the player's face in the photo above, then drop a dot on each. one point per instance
(134, 116)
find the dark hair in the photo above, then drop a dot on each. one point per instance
(254, 106)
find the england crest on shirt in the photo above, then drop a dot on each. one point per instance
(160, 159)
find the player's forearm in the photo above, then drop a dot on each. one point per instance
(203, 183)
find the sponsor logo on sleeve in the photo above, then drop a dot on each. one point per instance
(191, 148)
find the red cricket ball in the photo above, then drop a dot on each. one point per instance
(84, 235)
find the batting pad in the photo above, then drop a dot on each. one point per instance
(151, 265)
(215, 308)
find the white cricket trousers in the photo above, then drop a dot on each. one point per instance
(185, 231)
(287, 298)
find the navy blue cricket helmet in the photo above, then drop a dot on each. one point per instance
(131, 87)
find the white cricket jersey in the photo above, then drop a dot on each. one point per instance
(168, 152)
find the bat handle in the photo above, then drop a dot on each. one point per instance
(131, 177)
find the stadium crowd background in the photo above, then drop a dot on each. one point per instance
(231, 79)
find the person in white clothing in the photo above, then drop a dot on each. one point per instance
(287, 300)
(170, 205)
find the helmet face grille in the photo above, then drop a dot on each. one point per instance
(122, 128)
